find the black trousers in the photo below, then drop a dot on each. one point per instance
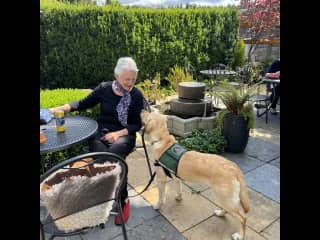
(275, 96)
(122, 147)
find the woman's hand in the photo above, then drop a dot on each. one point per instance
(112, 137)
(52, 110)
(66, 108)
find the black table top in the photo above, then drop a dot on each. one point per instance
(78, 128)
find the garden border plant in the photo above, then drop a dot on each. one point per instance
(205, 140)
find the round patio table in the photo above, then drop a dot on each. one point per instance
(270, 80)
(78, 129)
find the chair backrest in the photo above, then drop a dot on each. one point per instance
(79, 193)
(217, 69)
(218, 66)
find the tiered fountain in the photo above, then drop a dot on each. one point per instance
(190, 110)
(191, 101)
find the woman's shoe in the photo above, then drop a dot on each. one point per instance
(125, 213)
(273, 111)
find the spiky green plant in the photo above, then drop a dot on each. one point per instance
(234, 101)
(178, 74)
(237, 101)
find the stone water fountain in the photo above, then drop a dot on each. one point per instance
(191, 110)
(191, 100)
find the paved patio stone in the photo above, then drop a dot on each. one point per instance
(138, 173)
(77, 237)
(244, 161)
(276, 162)
(266, 180)
(262, 150)
(273, 231)
(263, 211)
(109, 232)
(151, 195)
(267, 135)
(272, 127)
(157, 228)
(219, 228)
(184, 214)
(140, 211)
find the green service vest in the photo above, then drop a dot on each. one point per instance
(170, 158)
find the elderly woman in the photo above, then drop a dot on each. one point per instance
(120, 107)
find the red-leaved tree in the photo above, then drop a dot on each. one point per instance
(261, 17)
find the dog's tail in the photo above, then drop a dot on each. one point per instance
(244, 199)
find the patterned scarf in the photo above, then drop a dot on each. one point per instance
(122, 107)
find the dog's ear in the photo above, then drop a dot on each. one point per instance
(148, 124)
(45, 187)
(153, 109)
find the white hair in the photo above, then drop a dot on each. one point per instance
(125, 63)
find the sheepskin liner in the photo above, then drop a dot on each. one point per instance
(70, 195)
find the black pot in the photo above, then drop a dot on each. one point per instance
(235, 130)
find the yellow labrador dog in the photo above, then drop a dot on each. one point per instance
(224, 176)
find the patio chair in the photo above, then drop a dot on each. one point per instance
(217, 69)
(262, 101)
(78, 194)
(219, 66)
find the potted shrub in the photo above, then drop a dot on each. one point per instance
(236, 120)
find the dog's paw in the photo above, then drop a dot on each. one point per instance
(219, 212)
(178, 198)
(237, 236)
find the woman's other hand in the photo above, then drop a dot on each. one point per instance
(66, 108)
(112, 137)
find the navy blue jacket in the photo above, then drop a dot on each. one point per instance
(275, 66)
(108, 100)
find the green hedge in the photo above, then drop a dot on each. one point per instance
(80, 44)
